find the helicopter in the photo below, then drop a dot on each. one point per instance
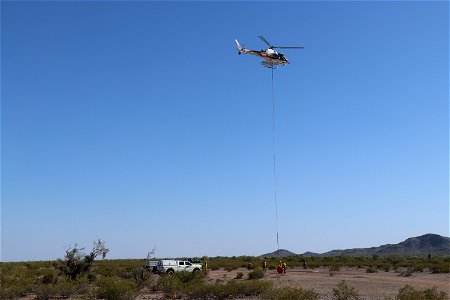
(272, 58)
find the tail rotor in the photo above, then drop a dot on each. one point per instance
(238, 47)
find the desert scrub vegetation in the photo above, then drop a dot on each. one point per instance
(437, 264)
(230, 289)
(116, 289)
(344, 292)
(410, 293)
(62, 288)
(256, 274)
(194, 286)
(16, 280)
(290, 293)
(125, 278)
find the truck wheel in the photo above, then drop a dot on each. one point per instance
(170, 272)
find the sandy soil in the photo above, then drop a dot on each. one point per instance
(369, 285)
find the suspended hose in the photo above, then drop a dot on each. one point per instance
(274, 162)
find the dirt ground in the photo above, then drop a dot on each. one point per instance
(369, 285)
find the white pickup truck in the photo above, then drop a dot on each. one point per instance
(171, 266)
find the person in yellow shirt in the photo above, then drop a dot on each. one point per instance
(284, 267)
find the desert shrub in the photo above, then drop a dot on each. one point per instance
(15, 291)
(239, 275)
(409, 293)
(289, 293)
(78, 263)
(371, 270)
(384, 267)
(91, 276)
(395, 260)
(149, 282)
(408, 272)
(442, 268)
(106, 271)
(418, 268)
(245, 288)
(230, 268)
(169, 285)
(344, 292)
(63, 287)
(218, 290)
(144, 278)
(183, 283)
(433, 294)
(45, 291)
(15, 281)
(333, 269)
(256, 274)
(188, 277)
(116, 289)
(232, 289)
(125, 274)
(253, 288)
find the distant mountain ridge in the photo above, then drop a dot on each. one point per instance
(422, 245)
(281, 252)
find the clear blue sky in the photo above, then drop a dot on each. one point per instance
(139, 124)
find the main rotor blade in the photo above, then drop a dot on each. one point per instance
(264, 40)
(288, 47)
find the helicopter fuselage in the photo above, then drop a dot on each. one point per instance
(271, 57)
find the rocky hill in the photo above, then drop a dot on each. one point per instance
(420, 246)
(281, 252)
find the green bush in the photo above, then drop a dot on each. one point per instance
(45, 291)
(239, 275)
(256, 274)
(289, 293)
(442, 268)
(252, 288)
(333, 269)
(409, 293)
(171, 286)
(344, 292)
(188, 277)
(48, 278)
(231, 289)
(116, 289)
(63, 287)
(15, 281)
(371, 270)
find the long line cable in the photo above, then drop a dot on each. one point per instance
(274, 162)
